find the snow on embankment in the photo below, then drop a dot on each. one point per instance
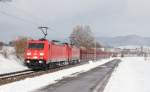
(31, 84)
(132, 75)
(9, 62)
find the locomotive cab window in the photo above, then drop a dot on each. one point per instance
(36, 45)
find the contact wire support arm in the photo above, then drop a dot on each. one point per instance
(44, 31)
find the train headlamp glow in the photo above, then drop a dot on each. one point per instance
(28, 61)
(41, 54)
(40, 61)
(29, 53)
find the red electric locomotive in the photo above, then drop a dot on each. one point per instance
(43, 54)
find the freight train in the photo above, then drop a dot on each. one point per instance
(44, 54)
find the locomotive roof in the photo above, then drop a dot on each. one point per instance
(45, 40)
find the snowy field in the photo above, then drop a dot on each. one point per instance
(31, 84)
(10, 63)
(132, 75)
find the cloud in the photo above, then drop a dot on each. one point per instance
(139, 8)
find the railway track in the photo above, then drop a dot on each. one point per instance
(21, 75)
(13, 74)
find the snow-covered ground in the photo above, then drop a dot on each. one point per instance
(31, 84)
(132, 75)
(10, 63)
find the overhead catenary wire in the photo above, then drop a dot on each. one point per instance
(34, 20)
(18, 18)
(34, 17)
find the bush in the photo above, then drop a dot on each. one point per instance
(20, 46)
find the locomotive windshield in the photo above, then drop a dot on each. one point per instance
(36, 45)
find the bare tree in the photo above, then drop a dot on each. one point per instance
(82, 36)
(20, 46)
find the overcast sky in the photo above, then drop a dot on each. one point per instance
(105, 17)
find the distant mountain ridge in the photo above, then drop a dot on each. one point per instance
(129, 40)
(124, 40)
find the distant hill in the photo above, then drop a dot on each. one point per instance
(129, 40)
(124, 41)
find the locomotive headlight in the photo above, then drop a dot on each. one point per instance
(40, 61)
(28, 61)
(41, 54)
(29, 53)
